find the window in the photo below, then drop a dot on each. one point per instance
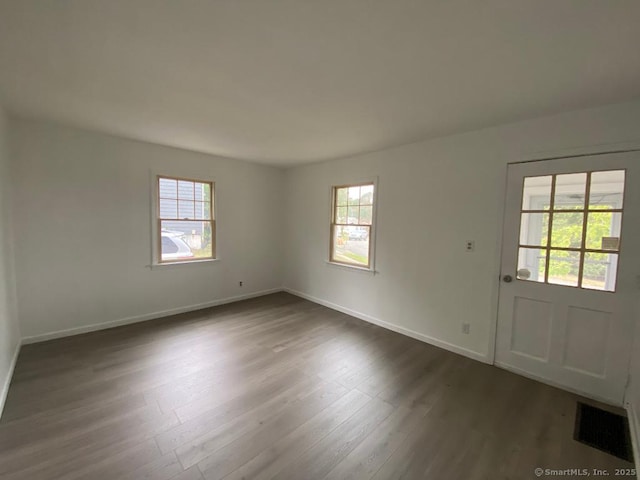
(186, 227)
(351, 224)
(570, 228)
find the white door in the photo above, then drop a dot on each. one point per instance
(570, 269)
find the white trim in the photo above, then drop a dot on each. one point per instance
(634, 430)
(581, 151)
(166, 265)
(395, 328)
(352, 268)
(142, 318)
(497, 273)
(7, 381)
(546, 381)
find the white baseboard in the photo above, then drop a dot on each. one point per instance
(395, 328)
(634, 427)
(551, 383)
(142, 318)
(7, 381)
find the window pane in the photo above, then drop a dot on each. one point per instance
(203, 210)
(168, 188)
(566, 230)
(191, 238)
(341, 196)
(168, 246)
(185, 190)
(186, 209)
(174, 248)
(531, 264)
(202, 192)
(537, 193)
(366, 215)
(564, 268)
(354, 214)
(351, 245)
(354, 195)
(570, 191)
(534, 229)
(366, 195)
(600, 271)
(341, 215)
(607, 189)
(168, 208)
(603, 230)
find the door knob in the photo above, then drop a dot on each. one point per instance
(507, 279)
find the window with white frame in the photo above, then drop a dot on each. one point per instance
(185, 220)
(352, 224)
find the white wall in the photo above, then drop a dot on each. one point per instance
(632, 397)
(9, 331)
(82, 209)
(432, 197)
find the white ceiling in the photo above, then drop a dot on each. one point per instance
(292, 81)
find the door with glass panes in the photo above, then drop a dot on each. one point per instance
(569, 272)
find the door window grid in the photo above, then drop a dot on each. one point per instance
(553, 250)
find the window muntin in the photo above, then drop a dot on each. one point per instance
(351, 224)
(570, 229)
(185, 222)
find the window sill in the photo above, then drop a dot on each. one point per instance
(169, 265)
(370, 271)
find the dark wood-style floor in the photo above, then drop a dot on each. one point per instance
(276, 387)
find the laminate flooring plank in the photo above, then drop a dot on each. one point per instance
(287, 449)
(233, 455)
(277, 387)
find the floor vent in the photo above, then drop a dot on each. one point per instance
(603, 430)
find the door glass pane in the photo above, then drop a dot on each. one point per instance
(603, 230)
(536, 194)
(534, 228)
(566, 229)
(570, 191)
(600, 271)
(531, 264)
(564, 268)
(607, 190)
(569, 254)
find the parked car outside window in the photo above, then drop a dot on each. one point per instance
(357, 233)
(173, 247)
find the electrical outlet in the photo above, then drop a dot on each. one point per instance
(470, 246)
(240, 283)
(466, 328)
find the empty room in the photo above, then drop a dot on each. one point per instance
(319, 239)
